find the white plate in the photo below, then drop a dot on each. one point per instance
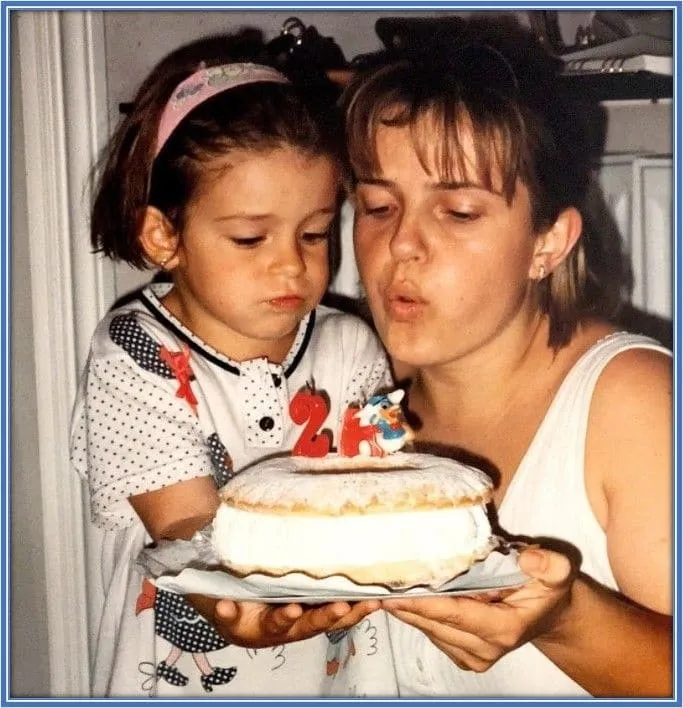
(498, 571)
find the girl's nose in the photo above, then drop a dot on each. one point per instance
(289, 259)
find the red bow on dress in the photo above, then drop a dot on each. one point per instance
(179, 364)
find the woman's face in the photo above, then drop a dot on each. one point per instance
(446, 265)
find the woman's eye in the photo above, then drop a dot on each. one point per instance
(375, 210)
(458, 215)
(247, 241)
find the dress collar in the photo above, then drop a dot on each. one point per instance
(151, 296)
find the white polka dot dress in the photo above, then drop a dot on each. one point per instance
(157, 406)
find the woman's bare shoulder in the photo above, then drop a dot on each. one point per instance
(629, 461)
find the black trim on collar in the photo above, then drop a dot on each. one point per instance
(160, 317)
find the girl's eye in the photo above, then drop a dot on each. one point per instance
(316, 236)
(247, 241)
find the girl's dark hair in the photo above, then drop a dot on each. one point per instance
(258, 116)
(493, 77)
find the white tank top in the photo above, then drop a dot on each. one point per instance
(546, 497)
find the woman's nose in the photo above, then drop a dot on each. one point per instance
(407, 242)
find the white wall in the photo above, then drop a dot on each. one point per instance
(29, 674)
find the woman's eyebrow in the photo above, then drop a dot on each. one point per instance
(465, 184)
(441, 185)
(456, 184)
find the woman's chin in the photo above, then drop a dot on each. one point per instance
(411, 350)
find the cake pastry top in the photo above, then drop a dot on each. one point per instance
(357, 485)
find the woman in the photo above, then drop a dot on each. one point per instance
(470, 166)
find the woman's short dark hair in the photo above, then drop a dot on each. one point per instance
(494, 78)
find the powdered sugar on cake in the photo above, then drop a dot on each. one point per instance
(296, 485)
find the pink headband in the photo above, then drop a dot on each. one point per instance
(204, 84)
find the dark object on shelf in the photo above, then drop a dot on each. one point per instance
(299, 47)
(609, 33)
(400, 32)
(304, 55)
(619, 86)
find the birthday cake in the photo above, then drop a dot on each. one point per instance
(375, 516)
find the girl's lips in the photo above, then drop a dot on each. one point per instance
(287, 302)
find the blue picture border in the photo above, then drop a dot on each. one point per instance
(5, 333)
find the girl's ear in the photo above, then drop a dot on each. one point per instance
(555, 244)
(159, 240)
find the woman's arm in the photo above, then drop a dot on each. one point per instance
(613, 644)
(622, 644)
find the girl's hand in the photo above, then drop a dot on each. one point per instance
(476, 632)
(256, 625)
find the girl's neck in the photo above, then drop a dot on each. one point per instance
(229, 343)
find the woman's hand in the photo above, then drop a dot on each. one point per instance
(476, 632)
(256, 625)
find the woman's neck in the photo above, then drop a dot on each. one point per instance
(487, 380)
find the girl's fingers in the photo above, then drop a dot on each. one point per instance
(280, 620)
(322, 618)
(358, 611)
(226, 610)
(294, 622)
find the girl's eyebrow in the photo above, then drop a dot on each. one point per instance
(331, 209)
(242, 215)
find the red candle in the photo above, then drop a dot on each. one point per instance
(352, 434)
(310, 408)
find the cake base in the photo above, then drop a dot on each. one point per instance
(397, 576)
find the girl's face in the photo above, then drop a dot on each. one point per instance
(446, 266)
(252, 259)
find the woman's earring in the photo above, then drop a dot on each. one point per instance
(162, 263)
(541, 272)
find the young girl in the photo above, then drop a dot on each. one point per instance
(226, 178)
(471, 167)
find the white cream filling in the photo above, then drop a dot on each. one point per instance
(308, 542)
